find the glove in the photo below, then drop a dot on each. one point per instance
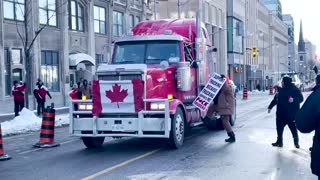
(290, 99)
(269, 111)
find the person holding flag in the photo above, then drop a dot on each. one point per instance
(40, 92)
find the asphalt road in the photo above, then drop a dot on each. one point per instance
(205, 155)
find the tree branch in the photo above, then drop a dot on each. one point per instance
(44, 26)
(20, 35)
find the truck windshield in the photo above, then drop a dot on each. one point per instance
(146, 52)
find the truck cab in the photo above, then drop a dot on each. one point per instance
(147, 88)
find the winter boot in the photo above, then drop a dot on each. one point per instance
(296, 142)
(232, 137)
(278, 143)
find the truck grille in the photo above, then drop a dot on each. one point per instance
(121, 77)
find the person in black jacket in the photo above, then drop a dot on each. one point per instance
(288, 101)
(308, 119)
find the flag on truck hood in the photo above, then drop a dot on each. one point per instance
(117, 97)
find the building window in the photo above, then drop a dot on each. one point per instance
(117, 23)
(47, 12)
(14, 9)
(131, 22)
(100, 59)
(16, 56)
(17, 75)
(99, 20)
(50, 70)
(7, 72)
(76, 17)
(137, 20)
(234, 35)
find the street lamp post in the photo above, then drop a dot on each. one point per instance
(263, 76)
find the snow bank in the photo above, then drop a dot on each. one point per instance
(255, 92)
(28, 121)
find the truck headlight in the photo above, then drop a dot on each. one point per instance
(157, 106)
(85, 107)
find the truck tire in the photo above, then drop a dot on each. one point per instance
(93, 142)
(177, 130)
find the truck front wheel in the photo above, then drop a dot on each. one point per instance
(93, 142)
(177, 130)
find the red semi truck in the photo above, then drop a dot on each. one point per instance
(147, 88)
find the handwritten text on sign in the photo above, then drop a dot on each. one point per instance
(209, 92)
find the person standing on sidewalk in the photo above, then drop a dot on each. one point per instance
(287, 100)
(308, 120)
(40, 93)
(224, 104)
(18, 96)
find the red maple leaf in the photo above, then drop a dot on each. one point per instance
(116, 95)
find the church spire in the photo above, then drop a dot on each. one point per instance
(301, 44)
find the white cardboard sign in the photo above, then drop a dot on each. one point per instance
(209, 92)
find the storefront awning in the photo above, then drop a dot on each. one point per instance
(75, 59)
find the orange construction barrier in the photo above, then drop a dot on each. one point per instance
(3, 156)
(245, 93)
(270, 90)
(47, 129)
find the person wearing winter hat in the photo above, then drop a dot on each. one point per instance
(40, 92)
(223, 104)
(18, 96)
(288, 101)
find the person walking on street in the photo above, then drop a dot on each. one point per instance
(18, 96)
(308, 120)
(86, 90)
(224, 104)
(287, 100)
(40, 93)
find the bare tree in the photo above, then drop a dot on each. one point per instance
(28, 38)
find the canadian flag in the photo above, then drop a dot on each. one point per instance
(120, 97)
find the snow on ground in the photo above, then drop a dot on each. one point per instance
(255, 92)
(28, 121)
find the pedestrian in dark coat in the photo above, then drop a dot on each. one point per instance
(18, 96)
(308, 120)
(40, 92)
(288, 101)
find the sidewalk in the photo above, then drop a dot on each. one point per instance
(10, 116)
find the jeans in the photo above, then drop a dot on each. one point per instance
(18, 106)
(41, 104)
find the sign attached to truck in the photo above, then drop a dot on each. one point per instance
(209, 92)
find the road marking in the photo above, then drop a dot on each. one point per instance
(34, 150)
(120, 165)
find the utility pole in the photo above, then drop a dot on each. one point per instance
(155, 9)
(245, 44)
(263, 66)
(179, 9)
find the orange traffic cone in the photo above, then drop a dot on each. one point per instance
(47, 129)
(3, 156)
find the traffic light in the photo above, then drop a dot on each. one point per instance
(254, 52)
